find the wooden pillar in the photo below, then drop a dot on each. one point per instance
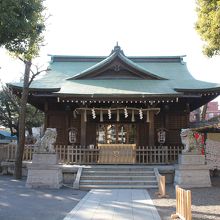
(46, 115)
(151, 128)
(83, 131)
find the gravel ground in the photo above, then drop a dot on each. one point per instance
(205, 202)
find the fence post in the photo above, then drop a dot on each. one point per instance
(183, 204)
(161, 180)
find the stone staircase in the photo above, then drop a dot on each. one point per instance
(118, 176)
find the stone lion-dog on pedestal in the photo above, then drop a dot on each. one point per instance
(46, 143)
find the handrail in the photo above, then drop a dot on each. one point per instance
(161, 183)
(77, 180)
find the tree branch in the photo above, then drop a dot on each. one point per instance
(34, 75)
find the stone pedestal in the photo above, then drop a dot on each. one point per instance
(44, 171)
(192, 171)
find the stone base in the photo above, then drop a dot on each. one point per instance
(192, 172)
(45, 158)
(44, 172)
(194, 159)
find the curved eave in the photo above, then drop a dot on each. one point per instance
(108, 60)
(119, 95)
(215, 89)
(34, 89)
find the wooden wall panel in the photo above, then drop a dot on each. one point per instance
(91, 133)
(143, 134)
(58, 120)
(177, 121)
(173, 137)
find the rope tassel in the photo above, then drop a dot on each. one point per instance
(118, 116)
(101, 115)
(85, 116)
(132, 115)
(147, 117)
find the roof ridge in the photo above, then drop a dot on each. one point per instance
(117, 52)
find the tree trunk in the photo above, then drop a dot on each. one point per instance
(21, 128)
(204, 110)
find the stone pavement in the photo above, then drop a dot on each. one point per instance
(20, 203)
(115, 204)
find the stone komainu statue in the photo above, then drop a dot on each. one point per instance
(190, 142)
(184, 134)
(46, 143)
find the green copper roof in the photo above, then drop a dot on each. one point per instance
(169, 76)
(117, 53)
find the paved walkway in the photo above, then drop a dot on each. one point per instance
(115, 204)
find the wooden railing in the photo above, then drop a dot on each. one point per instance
(161, 181)
(8, 152)
(183, 204)
(91, 154)
(157, 154)
(77, 154)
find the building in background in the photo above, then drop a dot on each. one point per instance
(6, 137)
(211, 112)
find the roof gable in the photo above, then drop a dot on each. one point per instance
(116, 66)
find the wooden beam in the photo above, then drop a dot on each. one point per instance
(151, 128)
(46, 115)
(83, 130)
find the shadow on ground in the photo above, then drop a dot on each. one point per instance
(20, 203)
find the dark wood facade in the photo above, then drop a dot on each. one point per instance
(172, 121)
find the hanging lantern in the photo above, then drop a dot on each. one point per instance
(93, 113)
(85, 116)
(109, 114)
(101, 116)
(126, 112)
(141, 113)
(118, 116)
(132, 115)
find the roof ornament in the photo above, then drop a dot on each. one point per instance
(117, 49)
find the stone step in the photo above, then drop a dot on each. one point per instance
(118, 182)
(108, 177)
(118, 176)
(118, 173)
(87, 187)
(120, 169)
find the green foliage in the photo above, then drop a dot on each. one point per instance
(9, 112)
(34, 117)
(21, 26)
(208, 25)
